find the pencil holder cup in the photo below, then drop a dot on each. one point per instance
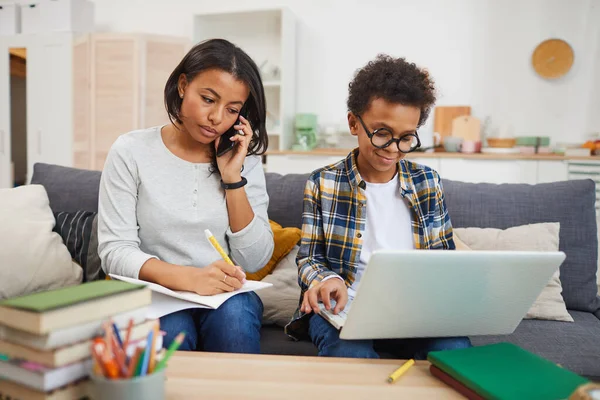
(147, 387)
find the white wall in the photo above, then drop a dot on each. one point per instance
(478, 51)
(593, 111)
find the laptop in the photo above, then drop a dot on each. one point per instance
(434, 293)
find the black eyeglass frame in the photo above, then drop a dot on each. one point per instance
(392, 140)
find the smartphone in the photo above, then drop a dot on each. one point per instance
(225, 144)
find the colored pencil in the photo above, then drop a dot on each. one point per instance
(172, 348)
(152, 362)
(134, 362)
(147, 352)
(128, 335)
(138, 367)
(116, 334)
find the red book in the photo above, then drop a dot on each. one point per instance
(453, 383)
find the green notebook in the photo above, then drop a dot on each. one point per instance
(506, 371)
(54, 299)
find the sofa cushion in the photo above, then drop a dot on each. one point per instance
(574, 346)
(285, 239)
(274, 341)
(549, 304)
(79, 232)
(32, 257)
(69, 189)
(286, 194)
(281, 300)
(571, 203)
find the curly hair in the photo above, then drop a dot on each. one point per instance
(394, 80)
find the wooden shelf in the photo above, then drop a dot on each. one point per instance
(477, 156)
(269, 38)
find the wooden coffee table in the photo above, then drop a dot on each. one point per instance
(240, 376)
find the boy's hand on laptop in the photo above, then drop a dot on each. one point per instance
(334, 288)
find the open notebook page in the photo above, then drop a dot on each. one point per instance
(166, 301)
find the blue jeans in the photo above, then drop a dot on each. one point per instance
(234, 327)
(327, 339)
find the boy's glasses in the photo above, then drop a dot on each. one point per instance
(383, 137)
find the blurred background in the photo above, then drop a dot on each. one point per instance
(75, 74)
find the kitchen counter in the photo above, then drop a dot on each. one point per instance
(477, 156)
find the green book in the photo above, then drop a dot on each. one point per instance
(506, 371)
(52, 299)
(43, 312)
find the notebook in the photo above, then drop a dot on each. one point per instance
(506, 371)
(166, 301)
(44, 312)
(454, 384)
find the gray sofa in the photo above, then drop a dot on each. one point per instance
(575, 346)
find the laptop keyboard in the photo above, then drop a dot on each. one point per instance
(339, 319)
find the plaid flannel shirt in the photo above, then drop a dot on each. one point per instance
(334, 218)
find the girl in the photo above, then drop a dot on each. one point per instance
(162, 187)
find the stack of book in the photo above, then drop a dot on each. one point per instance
(46, 338)
(502, 371)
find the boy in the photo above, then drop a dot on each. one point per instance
(374, 199)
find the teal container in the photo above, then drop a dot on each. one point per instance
(305, 129)
(306, 121)
(544, 141)
(147, 387)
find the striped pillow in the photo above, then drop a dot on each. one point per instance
(79, 232)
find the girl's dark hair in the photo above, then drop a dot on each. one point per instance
(224, 55)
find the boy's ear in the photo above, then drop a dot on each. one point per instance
(353, 124)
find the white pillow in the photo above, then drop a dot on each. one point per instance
(32, 257)
(281, 300)
(550, 304)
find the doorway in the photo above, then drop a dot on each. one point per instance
(18, 115)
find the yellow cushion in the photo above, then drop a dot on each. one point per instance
(285, 239)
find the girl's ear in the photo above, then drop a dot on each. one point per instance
(181, 85)
(353, 124)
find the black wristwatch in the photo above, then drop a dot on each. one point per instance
(236, 185)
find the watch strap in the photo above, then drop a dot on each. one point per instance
(235, 185)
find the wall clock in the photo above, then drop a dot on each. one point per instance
(552, 58)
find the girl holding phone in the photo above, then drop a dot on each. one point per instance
(161, 187)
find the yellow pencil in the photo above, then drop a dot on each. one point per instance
(217, 246)
(400, 371)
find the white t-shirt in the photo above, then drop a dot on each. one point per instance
(388, 223)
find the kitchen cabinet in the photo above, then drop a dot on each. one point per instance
(489, 171)
(551, 171)
(469, 168)
(298, 164)
(119, 87)
(82, 92)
